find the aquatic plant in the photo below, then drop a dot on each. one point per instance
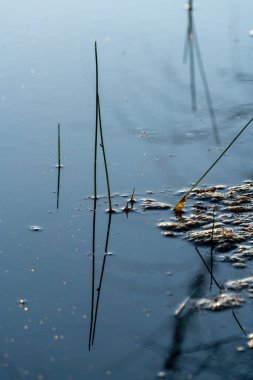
(180, 205)
(98, 124)
(132, 200)
(59, 147)
(96, 127)
(104, 156)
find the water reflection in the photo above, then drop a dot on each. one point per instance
(185, 319)
(58, 188)
(95, 305)
(99, 289)
(192, 49)
(93, 270)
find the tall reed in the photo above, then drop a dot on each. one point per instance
(180, 205)
(99, 125)
(59, 146)
(96, 126)
(104, 156)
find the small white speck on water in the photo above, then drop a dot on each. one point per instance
(35, 228)
(240, 349)
(108, 372)
(161, 375)
(251, 32)
(25, 327)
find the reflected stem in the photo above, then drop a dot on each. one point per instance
(58, 187)
(99, 289)
(207, 267)
(93, 273)
(206, 89)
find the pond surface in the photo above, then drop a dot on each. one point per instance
(175, 87)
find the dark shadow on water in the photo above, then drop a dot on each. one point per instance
(185, 320)
(192, 47)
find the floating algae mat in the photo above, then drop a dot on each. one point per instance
(220, 302)
(220, 216)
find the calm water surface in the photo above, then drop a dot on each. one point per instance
(165, 118)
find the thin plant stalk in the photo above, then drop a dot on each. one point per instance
(208, 269)
(238, 322)
(96, 127)
(132, 199)
(183, 199)
(59, 146)
(212, 249)
(104, 156)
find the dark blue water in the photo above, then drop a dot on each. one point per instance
(154, 142)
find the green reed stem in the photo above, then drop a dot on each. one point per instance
(104, 155)
(59, 146)
(216, 161)
(96, 127)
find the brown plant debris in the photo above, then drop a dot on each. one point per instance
(237, 209)
(151, 204)
(186, 224)
(223, 238)
(240, 284)
(220, 302)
